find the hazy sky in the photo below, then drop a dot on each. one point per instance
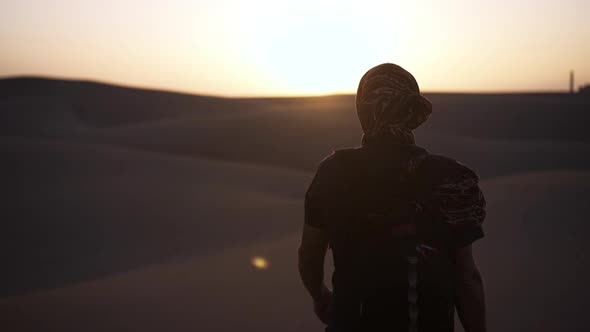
(271, 47)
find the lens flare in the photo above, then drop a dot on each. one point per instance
(259, 262)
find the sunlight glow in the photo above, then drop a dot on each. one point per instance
(305, 47)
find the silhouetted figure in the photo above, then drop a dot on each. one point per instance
(400, 223)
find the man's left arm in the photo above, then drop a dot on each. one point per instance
(469, 291)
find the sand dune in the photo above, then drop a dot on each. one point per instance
(289, 140)
(84, 211)
(534, 255)
(530, 280)
(491, 116)
(102, 105)
(294, 140)
(133, 209)
(220, 292)
(495, 134)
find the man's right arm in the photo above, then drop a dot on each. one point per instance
(469, 292)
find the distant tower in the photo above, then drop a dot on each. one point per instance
(571, 81)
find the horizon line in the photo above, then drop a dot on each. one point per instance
(272, 96)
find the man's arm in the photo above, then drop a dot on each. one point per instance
(312, 252)
(469, 292)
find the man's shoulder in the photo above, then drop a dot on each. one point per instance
(436, 168)
(339, 156)
(429, 166)
(441, 162)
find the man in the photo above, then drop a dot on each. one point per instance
(399, 221)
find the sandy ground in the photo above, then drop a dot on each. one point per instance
(129, 209)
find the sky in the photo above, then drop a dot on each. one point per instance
(304, 47)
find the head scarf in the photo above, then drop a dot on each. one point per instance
(389, 105)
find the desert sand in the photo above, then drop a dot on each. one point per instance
(132, 209)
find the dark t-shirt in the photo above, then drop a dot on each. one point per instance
(449, 195)
(434, 174)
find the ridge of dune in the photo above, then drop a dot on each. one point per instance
(132, 152)
(494, 134)
(297, 148)
(81, 211)
(96, 105)
(99, 105)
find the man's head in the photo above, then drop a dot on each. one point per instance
(389, 104)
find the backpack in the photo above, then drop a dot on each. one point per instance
(392, 265)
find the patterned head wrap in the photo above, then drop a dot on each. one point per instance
(389, 104)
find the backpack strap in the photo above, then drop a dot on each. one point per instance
(412, 254)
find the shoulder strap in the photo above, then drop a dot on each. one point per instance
(412, 257)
